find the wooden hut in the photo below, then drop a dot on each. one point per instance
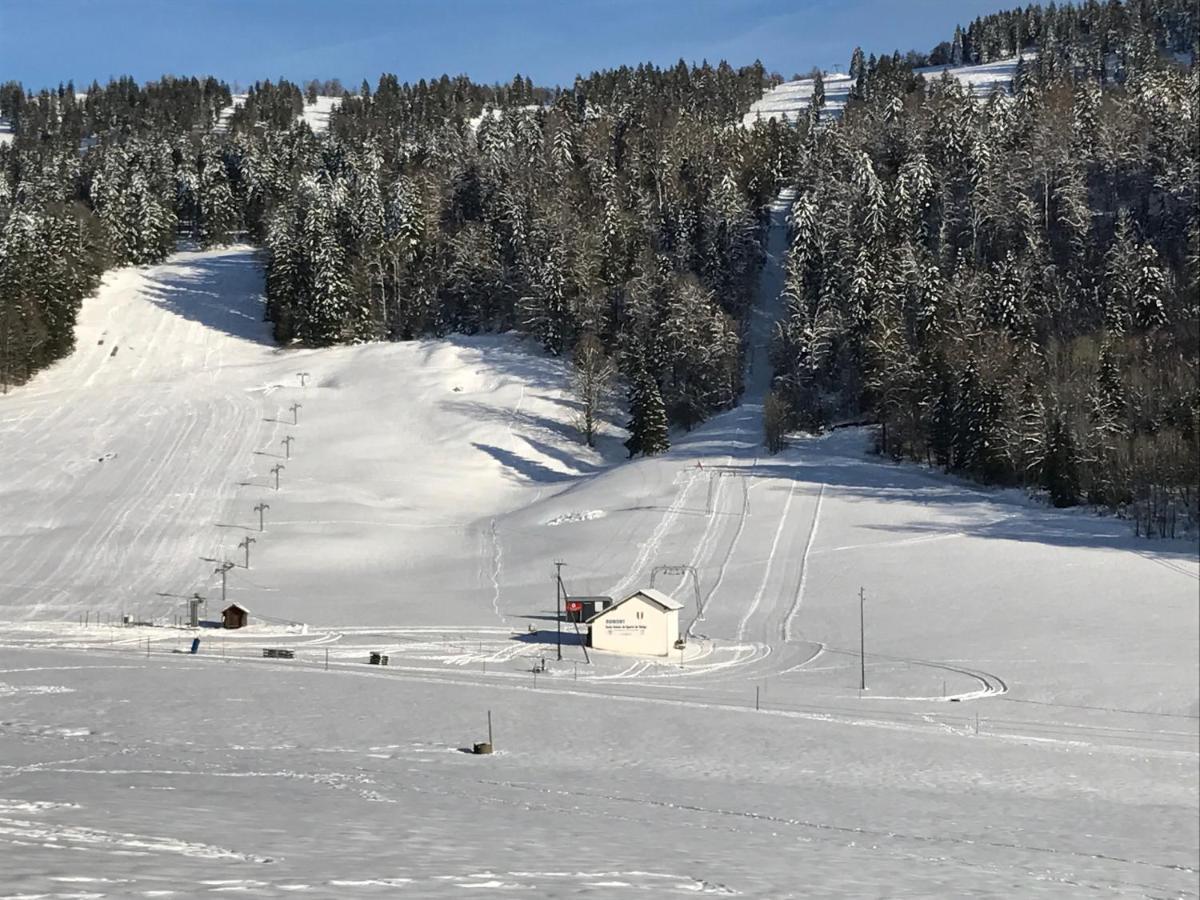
(235, 616)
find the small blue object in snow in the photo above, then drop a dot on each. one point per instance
(195, 646)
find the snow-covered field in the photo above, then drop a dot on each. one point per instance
(792, 99)
(1030, 726)
(6, 131)
(315, 114)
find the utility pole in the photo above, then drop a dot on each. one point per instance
(295, 408)
(260, 509)
(276, 469)
(558, 596)
(303, 376)
(862, 641)
(222, 569)
(246, 542)
(287, 446)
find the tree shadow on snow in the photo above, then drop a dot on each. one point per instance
(528, 469)
(997, 514)
(514, 418)
(561, 456)
(223, 293)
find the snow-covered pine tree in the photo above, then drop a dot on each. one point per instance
(647, 415)
(216, 210)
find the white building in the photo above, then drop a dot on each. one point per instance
(645, 623)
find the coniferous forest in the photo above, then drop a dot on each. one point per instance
(1007, 286)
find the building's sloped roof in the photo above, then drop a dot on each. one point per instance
(234, 606)
(666, 601)
(656, 597)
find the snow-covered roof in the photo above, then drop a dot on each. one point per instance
(664, 600)
(234, 606)
(656, 597)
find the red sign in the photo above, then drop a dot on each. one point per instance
(574, 606)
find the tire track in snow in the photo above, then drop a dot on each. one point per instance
(786, 631)
(771, 556)
(703, 551)
(729, 550)
(652, 543)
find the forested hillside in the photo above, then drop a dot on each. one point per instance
(1008, 286)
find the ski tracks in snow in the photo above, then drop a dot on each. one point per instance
(771, 556)
(647, 548)
(798, 598)
(497, 570)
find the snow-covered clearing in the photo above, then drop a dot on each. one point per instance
(792, 99)
(315, 114)
(495, 113)
(1030, 724)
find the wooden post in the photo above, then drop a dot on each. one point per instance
(326, 659)
(862, 641)
(756, 696)
(490, 741)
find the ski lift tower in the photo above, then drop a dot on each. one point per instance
(714, 478)
(195, 602)
(685, 571)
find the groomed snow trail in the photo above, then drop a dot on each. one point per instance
(120, 455)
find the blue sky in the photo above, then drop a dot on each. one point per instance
(47, 41)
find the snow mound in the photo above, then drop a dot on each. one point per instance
(585, 516)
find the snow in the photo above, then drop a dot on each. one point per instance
(793, 98)
(6, 131)
(222, 125)
(495, 113)
(315, 114)
(1030, 724)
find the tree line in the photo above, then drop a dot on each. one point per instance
(1009, 286)
(1006, 284)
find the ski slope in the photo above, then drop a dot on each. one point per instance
(1030, 724)
(792, 99)
(315, 114)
